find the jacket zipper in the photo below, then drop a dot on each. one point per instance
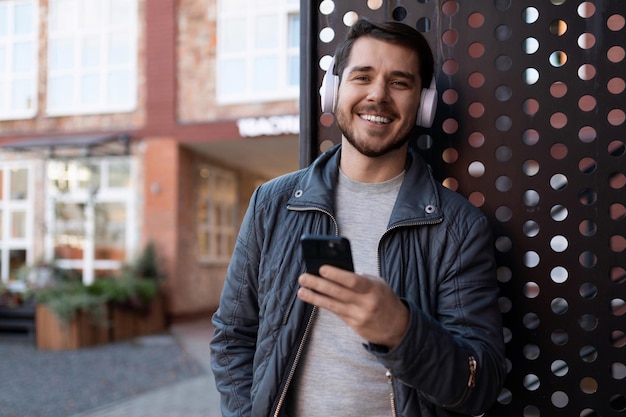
(471, 381)
(392, 397)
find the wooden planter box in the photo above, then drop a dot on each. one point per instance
(53, 334)
(127, 323)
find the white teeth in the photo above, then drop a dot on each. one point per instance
(375, 119)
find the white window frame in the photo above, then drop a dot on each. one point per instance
(90, 198)
(223, 234)
(7, 207)
(9, 110)
(76, 35)
(251, 10)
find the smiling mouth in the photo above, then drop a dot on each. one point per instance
(375, 119)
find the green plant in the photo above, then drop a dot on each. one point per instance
(66, 300)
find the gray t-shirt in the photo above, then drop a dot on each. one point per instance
(336, 375)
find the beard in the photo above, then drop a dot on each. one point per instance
(369, 147)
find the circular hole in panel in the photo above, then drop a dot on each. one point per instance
(503, 244)
(350, 18)
(477, 199)
(531, 290)
(559, 367)
(531, 76)
(505, 396)
(504, 214)
(618, 402)
(504, 123)
(587, 134)
(449, 8)
(476, 110)
(617, 243)
(399, 14)
(559, 305)
(558, 89)
(558, 182)
(530, 137)
(502, 5)
(617, 211)
(558, 274)
(587, 165)
(530, 198)
(587, 103)
(476, 20)
(327, 119)
(616, 148)
(588, 385)
(558, 120)
(450, 155)
(587, 228)
(503, 93)
(450, 96)
(586, 9)
(476, 50)
(530, 15)
(531, 259)
(559, 243)
(618, 370)
(616, 85)
(503, 153)
(558, 59)
(586, 72)
(450, 37)
(503, 63)
(476, 80)
(559, 399)
(558, 27)
(557, 2)
(327, 35)
(616, 117)
(507, 335)
(450, 67)
(503, 183)
(617, 180)
(559, 337)
(423, 25)
(531, 411)
(530, 106)
(588, 354)
(588, 322)
(504, 274)
(505, 304)
(615, 54)
(326, 145)
(586, 41)
(531, 321)
(531, 352)
(558, 213)
(450, 126)
(451, 183)
(615, 22)
(530, 228)
(530, 168)
(618, 338)
(587, 259)
(530, 45)
(476, 169)
(476, 139)
(531, 382)
(374, 4)
(327, 7)
(425, 142)
(618, 275)
(618, 307)
(588, 291)
(558, 151)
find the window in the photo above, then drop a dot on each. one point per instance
(16, 217)
(18, 59)
(92, 56)
(258, 50)
(91, 208)
(217, 214)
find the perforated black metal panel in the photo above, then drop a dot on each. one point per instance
(530, 128)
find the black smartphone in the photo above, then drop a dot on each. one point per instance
(319, 250)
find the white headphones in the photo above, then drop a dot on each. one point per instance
(425, 114)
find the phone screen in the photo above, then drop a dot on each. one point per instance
(319, 250)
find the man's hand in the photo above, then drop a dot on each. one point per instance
(365, 303)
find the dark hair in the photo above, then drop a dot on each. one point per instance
(392, 32)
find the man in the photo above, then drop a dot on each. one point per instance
(423, 340)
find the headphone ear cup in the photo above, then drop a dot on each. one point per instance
(428, 106)
(329, 88)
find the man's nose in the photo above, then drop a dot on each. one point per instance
(379, 91)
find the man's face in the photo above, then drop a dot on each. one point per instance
(378, 96)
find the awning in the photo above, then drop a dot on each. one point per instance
(116, 144)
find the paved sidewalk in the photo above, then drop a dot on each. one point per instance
(196, 397)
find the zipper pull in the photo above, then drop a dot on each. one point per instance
(392, 399)
(473, 365)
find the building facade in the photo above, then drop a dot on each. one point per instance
(125, 122)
